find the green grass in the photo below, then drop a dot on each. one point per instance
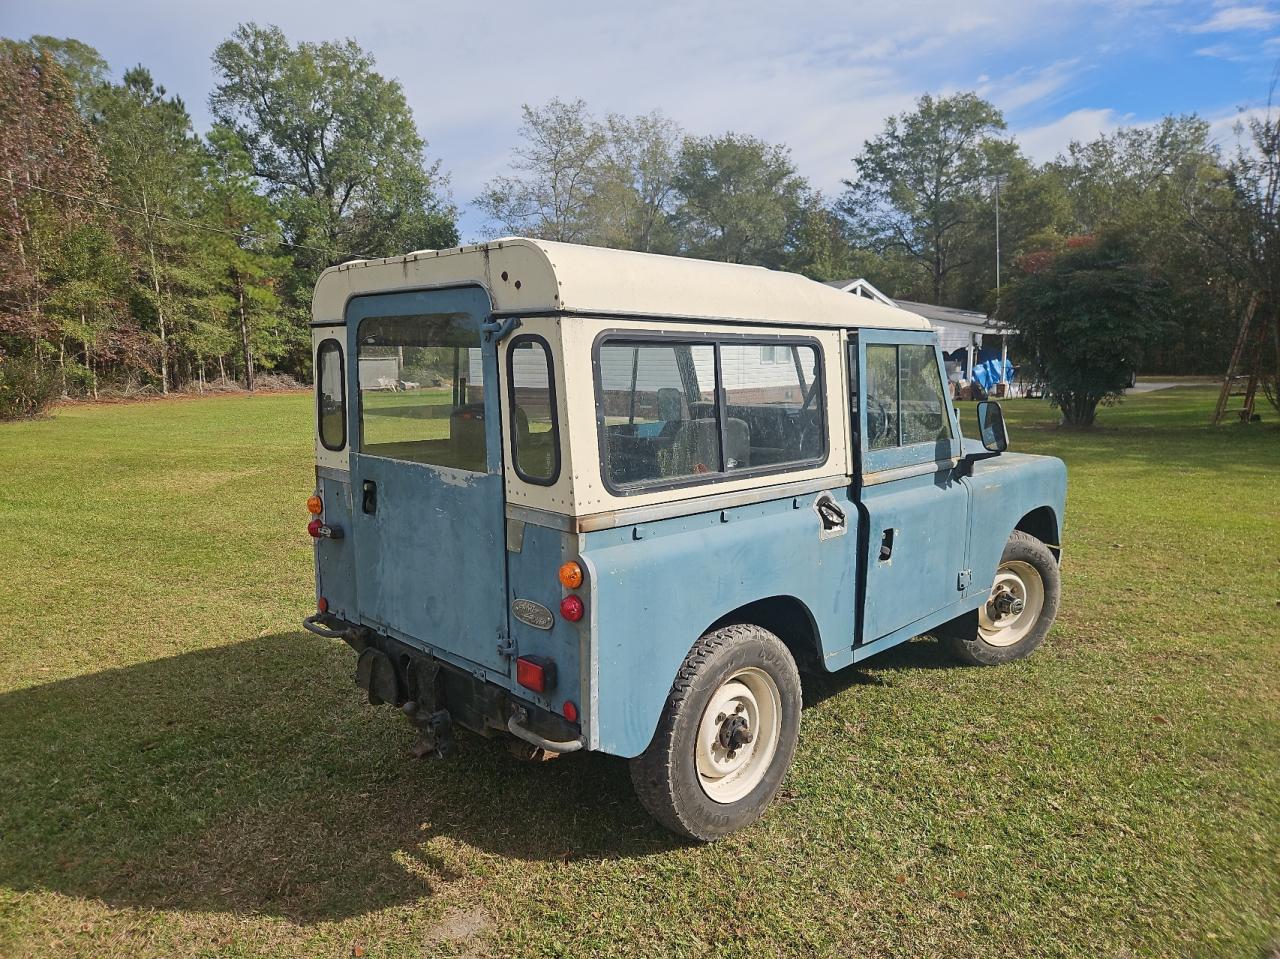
(184, 772)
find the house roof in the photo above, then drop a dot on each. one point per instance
(938, 314)
(527, 276)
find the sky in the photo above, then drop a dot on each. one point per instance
(820, 76)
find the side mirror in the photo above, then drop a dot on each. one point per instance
(995, 438)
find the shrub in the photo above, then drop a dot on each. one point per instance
(27, 387)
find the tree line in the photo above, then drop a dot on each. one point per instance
(143, 255)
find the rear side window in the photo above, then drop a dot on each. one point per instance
(535, 434)
(773, 412)
(675, 413)
(660, 415)
(905, 403)
(331, 411)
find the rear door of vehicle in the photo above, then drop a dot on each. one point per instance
(916, 508)
(426, 472)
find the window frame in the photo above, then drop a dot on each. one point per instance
(342, 380)
(553, 399)
(703, 338)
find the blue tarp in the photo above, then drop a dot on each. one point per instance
(988, 373)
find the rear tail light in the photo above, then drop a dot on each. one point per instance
(536, 672)
(571, 575)
(322, 605)
(570, 711)
(314, 528)
(572, 608)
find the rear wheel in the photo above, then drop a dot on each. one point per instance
(726, 737)
(1019, 610)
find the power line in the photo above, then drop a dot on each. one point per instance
(192, 224)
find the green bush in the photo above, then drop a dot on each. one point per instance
(26, 387)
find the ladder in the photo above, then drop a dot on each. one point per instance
(1250, 391)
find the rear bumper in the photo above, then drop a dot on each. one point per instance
(394, 673)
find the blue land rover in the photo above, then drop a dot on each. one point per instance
(587, 499)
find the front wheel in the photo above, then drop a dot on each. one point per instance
(726, 737)
(1019, 610)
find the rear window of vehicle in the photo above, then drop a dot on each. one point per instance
(535, 434)
(331, 403)
(422, 390)
(677, 413)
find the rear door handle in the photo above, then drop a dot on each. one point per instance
(369, 502)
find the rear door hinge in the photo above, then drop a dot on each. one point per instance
(964, 579)
(506, 645)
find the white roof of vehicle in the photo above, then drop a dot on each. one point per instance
(527, 276)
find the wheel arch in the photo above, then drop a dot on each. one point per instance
(788, 618)
(1042, 523)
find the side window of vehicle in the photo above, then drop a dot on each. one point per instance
(535, 435)
(331, 403)
(882, 396)
(924, 408)
(905, 402)
(658, 401)
(773, 408)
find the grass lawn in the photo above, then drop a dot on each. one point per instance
(185, 772)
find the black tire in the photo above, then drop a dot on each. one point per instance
(962, 635)
(666, 776)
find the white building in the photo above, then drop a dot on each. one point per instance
(956, 329)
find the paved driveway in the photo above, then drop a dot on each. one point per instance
(1150, 386)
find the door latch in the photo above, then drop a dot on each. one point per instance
(964, 579)
(369, 503)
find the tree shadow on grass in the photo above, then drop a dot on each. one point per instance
(253, 778)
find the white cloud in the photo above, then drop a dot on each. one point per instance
(1046, 141)
(1029, 85)
(1218, 51)
(1232, 18)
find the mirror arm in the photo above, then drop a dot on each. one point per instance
(965, 466)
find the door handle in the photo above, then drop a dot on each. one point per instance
(369, 502)
(831, 515)
(886, 546)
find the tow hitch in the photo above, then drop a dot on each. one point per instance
(435, 732)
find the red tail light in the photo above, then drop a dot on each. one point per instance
(570, 711)
(536, 672)
(314, 528)
(571, 608)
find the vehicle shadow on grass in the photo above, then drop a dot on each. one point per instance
(924, 652)
(253, 778)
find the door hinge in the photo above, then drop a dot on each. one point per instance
(506, 645)
(964, 579)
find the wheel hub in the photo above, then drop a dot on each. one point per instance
(1007, 604)
(735, 732)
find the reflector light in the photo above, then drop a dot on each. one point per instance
(314, 528)
(571, 608)
(322, 605)
(315, 505)
(535, 672)
(571, 575)
(570, 711)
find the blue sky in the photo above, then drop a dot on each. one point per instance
(819, 76)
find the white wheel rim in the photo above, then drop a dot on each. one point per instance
(1014, 606)
(746, 702)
